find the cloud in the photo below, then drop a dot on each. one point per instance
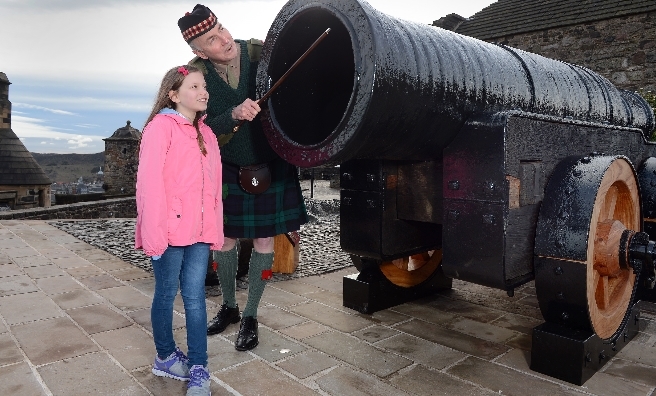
(51, 5)
(79, 141)
(35, 107)
(35, 134)
(87, 103)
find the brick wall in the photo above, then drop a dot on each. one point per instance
(109, 208)
(621, 49)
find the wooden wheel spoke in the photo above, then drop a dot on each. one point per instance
(603, 293)
(610, 202)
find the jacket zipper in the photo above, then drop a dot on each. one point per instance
(202, 193)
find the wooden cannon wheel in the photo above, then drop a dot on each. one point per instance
(609, 283)
(397, 272)
(588, 205)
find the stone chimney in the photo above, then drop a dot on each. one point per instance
(122, 161)
(449, 22)
(5, 104)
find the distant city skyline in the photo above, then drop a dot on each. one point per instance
(79, 70)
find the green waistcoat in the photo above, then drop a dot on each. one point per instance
(248, 146)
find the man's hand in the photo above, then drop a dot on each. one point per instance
(246, 111)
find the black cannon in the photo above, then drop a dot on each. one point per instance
(505, 165)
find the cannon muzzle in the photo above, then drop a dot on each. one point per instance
(384, 88)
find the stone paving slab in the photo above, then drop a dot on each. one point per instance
(76, 299)
(601, 383)
(19, 284)
(304, 330)
(272, 347)
(93, 374)
(27, 307)
(43, 271)
(419, 380)
(505, 380)
(331, 317)
(76, 320)
(84, 272)
(98, 318)
(307, 364)
(99, 282)
(375, 333)
(258, 378)
(18, 379)
(126, 298)
(360, 354)
(421, 351)
(277, 318)
(345, 381)
(453, 339)
(10, 351)
(131, 346)
(47, 341)
(58, 285)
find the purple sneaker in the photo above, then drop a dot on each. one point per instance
(175, 366)
(199, 381)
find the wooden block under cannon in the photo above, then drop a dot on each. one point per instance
(285, 259)
(576, 355)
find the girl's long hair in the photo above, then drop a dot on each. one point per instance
(171, 82)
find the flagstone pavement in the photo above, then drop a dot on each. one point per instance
(75, 320)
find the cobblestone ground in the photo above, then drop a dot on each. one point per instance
(319, 252)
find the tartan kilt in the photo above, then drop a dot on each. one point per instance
(280, 209)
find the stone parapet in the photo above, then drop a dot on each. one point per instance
(109, 208)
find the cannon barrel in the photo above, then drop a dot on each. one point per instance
(384, 88)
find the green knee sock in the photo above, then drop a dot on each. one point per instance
(227, 270)
(259, 262)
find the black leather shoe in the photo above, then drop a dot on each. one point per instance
(247, 336)
(223, 318)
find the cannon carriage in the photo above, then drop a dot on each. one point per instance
(506, 166)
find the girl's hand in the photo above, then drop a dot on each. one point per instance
(246, 111)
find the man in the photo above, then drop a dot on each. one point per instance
(230, 67)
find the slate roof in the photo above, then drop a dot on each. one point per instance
(126, 132)
(508, 17)
(17, 166)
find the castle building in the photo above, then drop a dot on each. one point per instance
(122, 161)
(23, 183)
(617, 39)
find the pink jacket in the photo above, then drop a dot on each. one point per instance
(179, 200)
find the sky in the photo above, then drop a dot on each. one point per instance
(81, 68)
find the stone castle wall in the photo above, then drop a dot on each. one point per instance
(621, 49)
(109, 208)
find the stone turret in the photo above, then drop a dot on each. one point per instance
(23, 183)
(122, 161)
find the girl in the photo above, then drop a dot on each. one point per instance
(180, 218)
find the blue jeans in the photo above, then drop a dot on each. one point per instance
(184, 267)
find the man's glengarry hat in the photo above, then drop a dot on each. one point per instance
(196, 23)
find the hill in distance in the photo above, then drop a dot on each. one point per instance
(68, 168)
